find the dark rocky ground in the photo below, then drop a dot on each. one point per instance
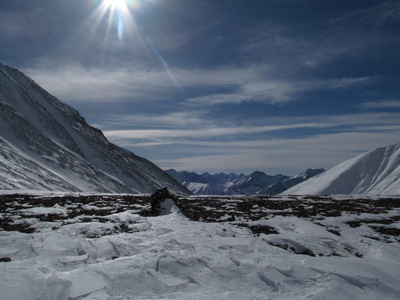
(385, 211)
(314, 208)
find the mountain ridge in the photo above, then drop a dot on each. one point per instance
(232, 184)
(69, 155)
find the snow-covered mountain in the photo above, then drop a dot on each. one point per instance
(232, 184)
(46, 145)
(376, 172)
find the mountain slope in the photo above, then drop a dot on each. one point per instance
(63, 151)
(280, 186)
(232, 184)
(375, 172)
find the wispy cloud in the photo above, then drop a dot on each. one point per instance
(212, 149)
(381, 104)
(383, 13)
(77, 83)
(349, 123)
(244, 84)
(355, 34)
(205, 132)
(344, 83)
(288, 156)
(272, 91)
(165, 120)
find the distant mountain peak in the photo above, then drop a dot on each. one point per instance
(231, 184)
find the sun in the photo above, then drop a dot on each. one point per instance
(119, 6)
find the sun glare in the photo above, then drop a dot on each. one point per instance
(121, 5)
(120, 13)
(116, 4)
(119, 16)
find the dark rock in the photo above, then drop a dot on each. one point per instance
(157, 198)
(5, 259)
(161, 194)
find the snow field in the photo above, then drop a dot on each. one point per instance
(173, 257)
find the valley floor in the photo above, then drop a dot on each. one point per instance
(111, 247)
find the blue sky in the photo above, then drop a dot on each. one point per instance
(219, 85)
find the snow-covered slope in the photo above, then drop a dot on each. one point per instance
(46, 145)
(375, 172)
(232, 184)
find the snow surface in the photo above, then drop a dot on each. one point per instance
(376, 172)
(172, 257)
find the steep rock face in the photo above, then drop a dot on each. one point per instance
(375, 172)
(232, 184)
(40, 129)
